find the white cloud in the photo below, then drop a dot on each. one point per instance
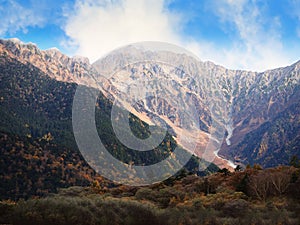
(258, 44)
(15, 17)
(98, 27)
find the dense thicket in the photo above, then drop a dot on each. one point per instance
(253, 196)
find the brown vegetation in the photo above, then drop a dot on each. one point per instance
(252, 196)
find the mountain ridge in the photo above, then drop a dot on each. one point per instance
(240, 95)
(245, 100)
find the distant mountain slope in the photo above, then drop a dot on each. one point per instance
(259, 112)
(266, 117)
(276, 140)
(37, 147)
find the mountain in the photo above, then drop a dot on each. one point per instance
(248, 117)
(37, 146)
(242, 116)
(257, 112)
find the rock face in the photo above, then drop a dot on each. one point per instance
(248, 117)
(266, 117)
(51, 61)
(258, 112)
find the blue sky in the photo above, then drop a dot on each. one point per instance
(238, 34)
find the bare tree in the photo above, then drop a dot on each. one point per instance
(280, 179)
(260, 185)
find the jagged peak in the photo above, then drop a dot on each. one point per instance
(19, 42)
(53, 52)
(210, 64)
(53, 49)
(81, 59)
(297, 64)
(297, 68)
(15, 40)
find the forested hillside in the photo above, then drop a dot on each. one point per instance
(38, 150)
